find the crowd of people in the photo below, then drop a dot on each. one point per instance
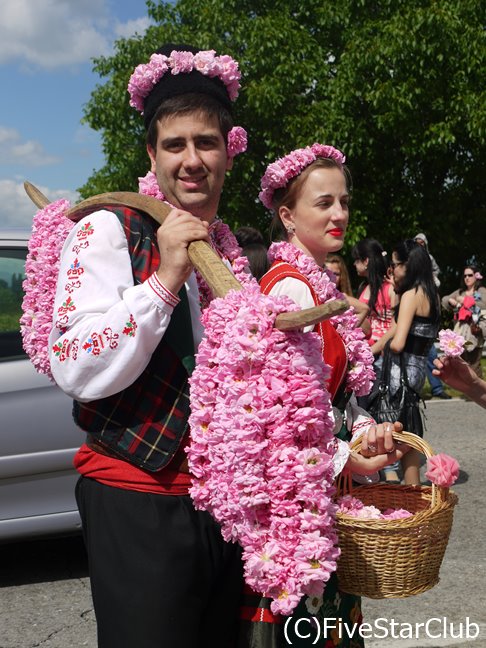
(160, 571)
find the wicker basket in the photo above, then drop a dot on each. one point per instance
(395, 558)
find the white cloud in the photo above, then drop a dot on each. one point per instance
(17, 210)
(14, 151)
(138, 26)
(57, 33)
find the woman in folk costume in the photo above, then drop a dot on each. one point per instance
(309, 192)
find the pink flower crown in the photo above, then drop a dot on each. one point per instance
(147, 75)
(278, 173)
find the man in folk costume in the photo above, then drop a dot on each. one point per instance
(125, 330)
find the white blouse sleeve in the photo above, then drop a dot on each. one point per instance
(105, 328)
(298, 291)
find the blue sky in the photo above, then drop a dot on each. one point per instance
(46, 48)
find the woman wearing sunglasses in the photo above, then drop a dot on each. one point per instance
(469, 306)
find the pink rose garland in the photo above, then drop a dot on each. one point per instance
(360, 374)
(50, 228)
(262, 445)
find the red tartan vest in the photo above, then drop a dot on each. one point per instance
(145, 423)
(333, 351)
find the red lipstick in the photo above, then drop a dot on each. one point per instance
(336, 232)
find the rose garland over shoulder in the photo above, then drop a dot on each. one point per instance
(360, 375)
(262, 445)
(50, 228)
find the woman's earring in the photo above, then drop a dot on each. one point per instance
(290, 229)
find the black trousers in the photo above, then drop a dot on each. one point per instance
(161, 574)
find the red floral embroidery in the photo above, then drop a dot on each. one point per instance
(96, 342)
(75, 270)
(72, 285)
(130, 327)
(67, 306)
(66, 349)
(86, 230)
(82, 234)
(111, 337)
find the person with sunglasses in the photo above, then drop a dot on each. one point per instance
(412, 333)
(468, 304)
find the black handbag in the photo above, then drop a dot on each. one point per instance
(403, 406)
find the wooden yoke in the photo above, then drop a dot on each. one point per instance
(216, 274)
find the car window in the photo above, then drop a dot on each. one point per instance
(12, 274)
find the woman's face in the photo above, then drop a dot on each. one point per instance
(336, 269)
(399, 269)
(469, 279)
(320, 215)
(361, 267)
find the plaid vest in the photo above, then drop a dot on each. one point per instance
(145, 423)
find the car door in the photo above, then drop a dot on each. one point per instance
(38, 438)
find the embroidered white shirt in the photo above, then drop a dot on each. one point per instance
(105, 328)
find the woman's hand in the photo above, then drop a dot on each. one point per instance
(456, 373)
(378, 449)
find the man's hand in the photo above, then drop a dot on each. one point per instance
(179, 229)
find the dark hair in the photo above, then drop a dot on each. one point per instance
(378, 265)
(344, 280)
(477, 282)
(287, 196)
(256, 253)
(187, 104)
(418, 273)
(246, 235)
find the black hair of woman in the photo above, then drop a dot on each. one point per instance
(378, 265)
(419, 273)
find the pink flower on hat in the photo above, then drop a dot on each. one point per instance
(237, 141)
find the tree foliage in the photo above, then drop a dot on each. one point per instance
(398, 85)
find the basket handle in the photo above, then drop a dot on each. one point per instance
(439, 493)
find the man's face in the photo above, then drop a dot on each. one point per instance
(190, 162)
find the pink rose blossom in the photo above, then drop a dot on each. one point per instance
(442, 470)
(451, 343)
(237, 141)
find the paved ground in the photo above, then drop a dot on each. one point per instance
(44, 590)
(459, 429)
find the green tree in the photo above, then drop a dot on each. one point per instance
(396, 84)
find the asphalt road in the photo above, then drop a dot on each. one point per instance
(44, 589)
